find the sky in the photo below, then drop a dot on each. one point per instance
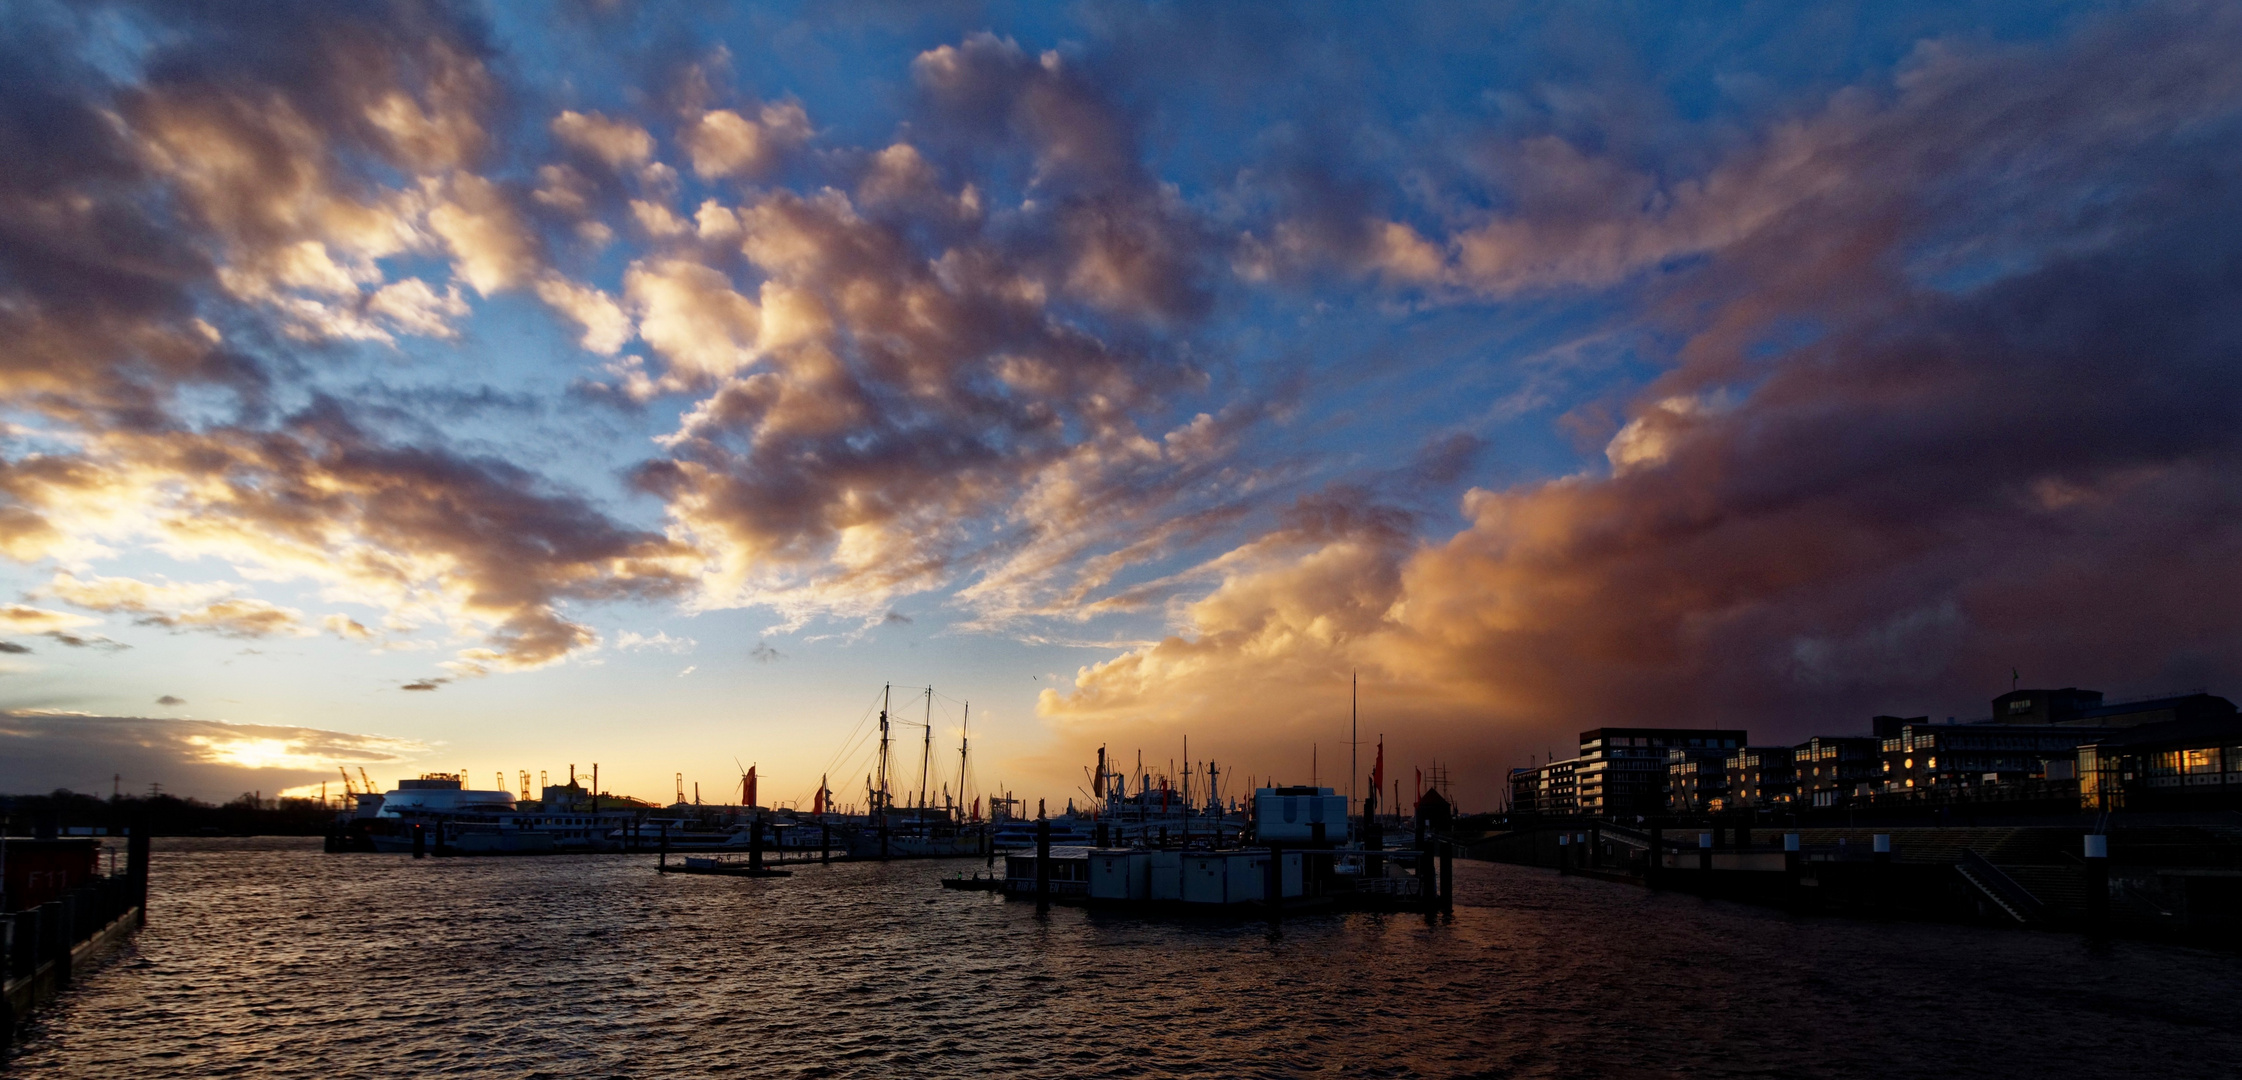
(508, 388)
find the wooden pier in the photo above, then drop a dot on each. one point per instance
(42, 946)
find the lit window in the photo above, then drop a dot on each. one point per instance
(1934, 763)
(1907, 764)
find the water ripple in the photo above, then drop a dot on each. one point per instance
(269, 958)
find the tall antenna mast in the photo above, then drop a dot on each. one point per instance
(1354, 732)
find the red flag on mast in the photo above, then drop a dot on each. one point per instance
(817, 805)
(747, 787)
(1419, 804)
(1378, 771)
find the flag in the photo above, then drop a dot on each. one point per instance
(1419, 804)
(1378, 771)
(817, 804)
(747, 787)
(976, 808)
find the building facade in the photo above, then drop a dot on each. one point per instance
(1829, 770)
(1761, 777)
(1696, 780)
(1622, 771)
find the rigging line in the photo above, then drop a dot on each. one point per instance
(852, 739)
(860, 722)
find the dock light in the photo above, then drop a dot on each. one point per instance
(1790, 841)
(1704, 839)
(1883, 843)
(2097, 846)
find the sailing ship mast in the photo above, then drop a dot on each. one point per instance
(926, 750)
(962, 729)
(879, 794)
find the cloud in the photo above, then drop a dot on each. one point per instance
(208, 606)
(894, 617)
(424, 684)
(169, 700)
(41, 750)
(429, 536)
(97, 641)
(1996, 444)
(763, 653)
(345, 627)
(616, 143)
(13, 648)
(723, 143)
(24, 619)
(632, 641)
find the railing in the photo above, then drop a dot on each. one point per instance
(2002, 889)
(35, 940)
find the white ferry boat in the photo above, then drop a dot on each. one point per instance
(454, 818)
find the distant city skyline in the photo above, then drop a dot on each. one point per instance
(426, 387)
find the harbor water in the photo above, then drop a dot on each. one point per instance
(265, 957)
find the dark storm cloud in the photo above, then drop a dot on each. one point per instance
(1956, 392)
(44, 750)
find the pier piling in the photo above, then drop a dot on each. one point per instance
(2097, 874)
(1042, 865)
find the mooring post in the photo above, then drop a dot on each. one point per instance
(1596, 845)
(663, 864)
(1272, 883)
(1657, 861)
(420, 842)
(1042, 865)
(755, 843)
(1793, 883)
(1448, 876)
(1565, 852)
(1881, 856)
(825, 842)
(2097, 883)
(1704, 857)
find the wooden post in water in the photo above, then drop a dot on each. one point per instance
(754, 842)
(1880, 854)
(2097, 883)
(420, 842)
(825, 842)
(1657, 856)
(1272, 888)
(1042, 865)
(664, 864)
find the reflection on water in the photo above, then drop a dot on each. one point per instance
(268, 958)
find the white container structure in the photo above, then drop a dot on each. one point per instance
(1164, 874)
(1120, 875)
(1289, 815)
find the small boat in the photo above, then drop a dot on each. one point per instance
(695, 864)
